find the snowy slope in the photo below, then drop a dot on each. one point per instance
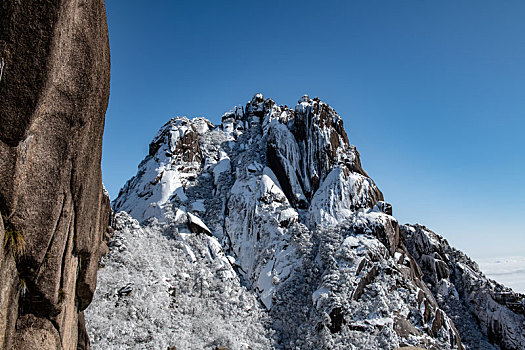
(272, 213)
(160, 287)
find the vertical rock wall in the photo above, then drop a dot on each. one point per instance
(54, 91)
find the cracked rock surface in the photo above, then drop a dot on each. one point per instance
(53, 95)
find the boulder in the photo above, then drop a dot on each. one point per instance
(197, 226)
(404, 328)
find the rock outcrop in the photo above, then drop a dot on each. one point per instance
(487, 312)
(54, 92)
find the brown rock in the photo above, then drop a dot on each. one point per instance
(8, 294)
(389, 235)
(323, 142)
(54, 93)
(318, 151)
(455, 337)
(36, 333)
(387, 231)
(405, 328)
(439, 319)
(83, 337)
(356, 167)
(420, 298)
(363, 282)
(185, 149)
(188, 146)
(428, 311)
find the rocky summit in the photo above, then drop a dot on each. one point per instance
(265, 232)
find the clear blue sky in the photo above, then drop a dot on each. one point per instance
(432, 93)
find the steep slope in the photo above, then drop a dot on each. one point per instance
(281, 196)
(54, 89)
(487, 312)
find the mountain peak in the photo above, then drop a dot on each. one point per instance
(301, 147)
(273, 206)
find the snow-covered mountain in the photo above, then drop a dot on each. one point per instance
(265, 232)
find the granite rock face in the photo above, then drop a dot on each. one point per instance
(54, 92)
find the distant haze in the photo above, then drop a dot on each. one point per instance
(509, 271)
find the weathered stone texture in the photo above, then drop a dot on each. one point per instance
(8, 294)
(53, 96)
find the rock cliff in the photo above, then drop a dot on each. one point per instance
(54, 90)
(266, 232)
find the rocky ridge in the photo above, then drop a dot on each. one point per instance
(274, 204)
(487, 312)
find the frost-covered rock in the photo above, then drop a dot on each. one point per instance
(181, 291)
(173, 160)
(488, 313)
(299, 249)
(196, 225)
